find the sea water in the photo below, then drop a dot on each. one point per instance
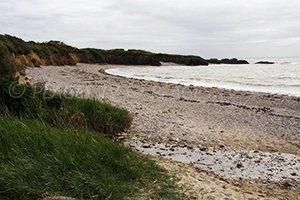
(283, 77)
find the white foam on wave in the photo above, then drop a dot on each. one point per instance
(276, 79)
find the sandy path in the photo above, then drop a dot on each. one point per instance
(187, 116)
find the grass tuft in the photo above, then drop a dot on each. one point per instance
(61, 110)
(37, 159)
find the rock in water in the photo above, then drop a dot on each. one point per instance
(265, 63)
(227, 61)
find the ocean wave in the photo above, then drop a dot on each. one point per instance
(242, 81)
(283, 79)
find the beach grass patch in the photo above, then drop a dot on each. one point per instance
(38, 160)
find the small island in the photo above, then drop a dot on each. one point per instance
(264, 63)
(231, 61)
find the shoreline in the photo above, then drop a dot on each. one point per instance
(186, 116)
(252, 101)
(228, 88)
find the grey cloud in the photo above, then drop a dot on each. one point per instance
(215, 28)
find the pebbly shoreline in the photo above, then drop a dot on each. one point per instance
(192, 117)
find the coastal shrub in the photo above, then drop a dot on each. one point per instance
(95, 55)
(116, 51)
(59, 53)
(15, 45)
(7, 64)
(97, 116)
(52, 53)
(24, 100)
(37, 160)
(140, 52)
(40, 49)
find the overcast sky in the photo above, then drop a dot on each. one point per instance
(209, 28)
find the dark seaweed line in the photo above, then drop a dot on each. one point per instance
(257, 110)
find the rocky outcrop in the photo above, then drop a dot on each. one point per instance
(265, 63)
(131, 60)
(179, 59)
(227, 61)
(214, 61)
(29, 60)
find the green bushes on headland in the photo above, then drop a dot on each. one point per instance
(57, 53)
(15, 45)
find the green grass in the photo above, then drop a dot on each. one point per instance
(96, 116)
(61, 110)
(36, 159)
(46, 148)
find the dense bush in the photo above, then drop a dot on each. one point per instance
(50, 53)
(141, 52)
(95, 55)
(15, 45)
(40, 49)
(96, 116)
(61, 110)
(7, 64)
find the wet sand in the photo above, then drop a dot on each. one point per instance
(221, 123)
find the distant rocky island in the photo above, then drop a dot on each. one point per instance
(227, 61)
(265, 63)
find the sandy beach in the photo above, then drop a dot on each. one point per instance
(247, 137)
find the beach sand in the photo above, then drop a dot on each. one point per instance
(213, 120)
